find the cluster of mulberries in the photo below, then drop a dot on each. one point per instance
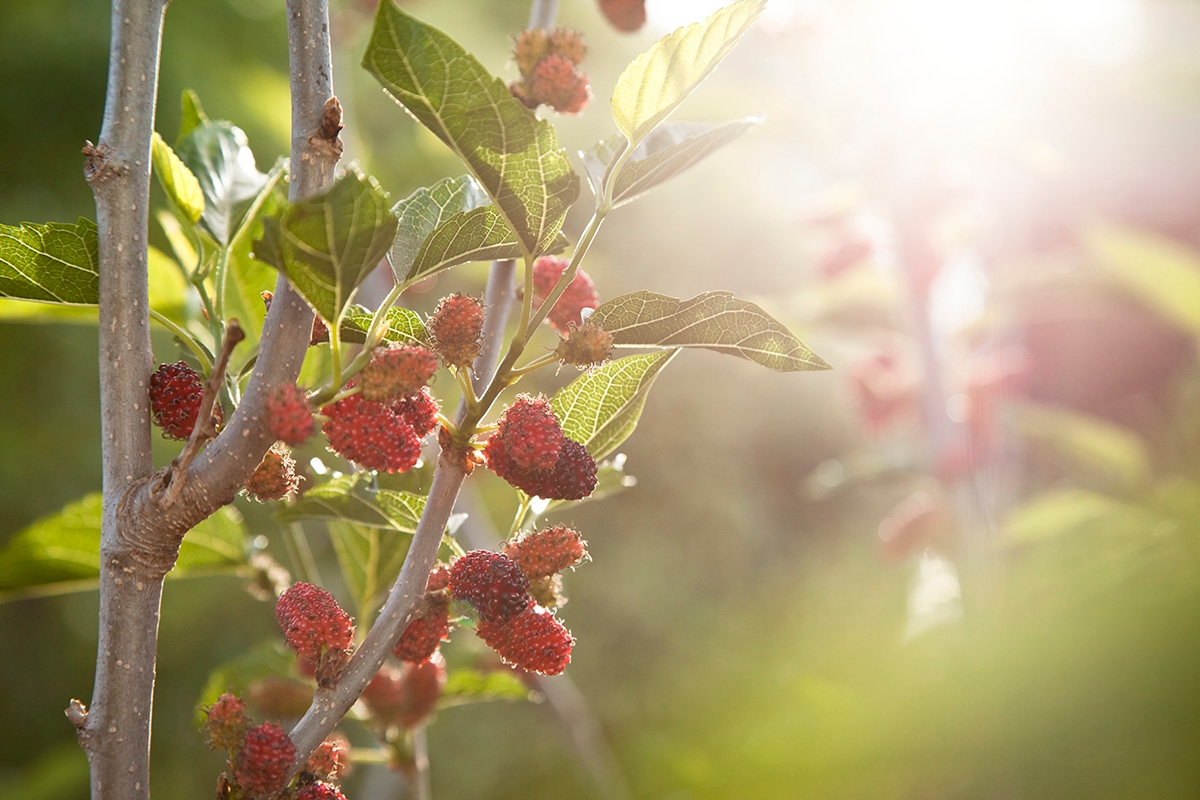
(626, 16)
(408, 695)
(176, 391)
(372, 434)
(534, 641)
(425, 633)
(317, 628)
(530, 451)
(580, 294)
(260, 756)
(549, 76)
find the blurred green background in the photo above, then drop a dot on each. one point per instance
(742, 630)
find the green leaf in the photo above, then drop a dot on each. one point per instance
(192, 113)
(246, 277)
(177, 180)
(514, 155)
(424, 210)
(472, 686)
(169, 291)
(352, 499)
(1089, 443)
(51, 263)
(404, 325)
(478, 235)
(64, 549)
(370, 559)
(327, 245)
(219, 156)
(669, 150)
(658, 80)
(1060, 511)
(1162, 273)
(601, 408)
(713, 320)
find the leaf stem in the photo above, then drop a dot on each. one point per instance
(199, 350)
(536, 364)
(530, 326)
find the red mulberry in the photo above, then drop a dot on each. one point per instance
(370, 433)
(289, 414)
(397, 372)
(419, 410)
(319, 791)
(456, 329)
(557, 83)
(312, 621)
(225, 723)
(274, 478)
(547, 551)
(266, 756)
(535, 641)
(176, 391)
(423, 635)
(626, 16)
(492, 583)
(580, 293)
(529, 433)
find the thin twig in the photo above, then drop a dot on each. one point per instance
(205, 428)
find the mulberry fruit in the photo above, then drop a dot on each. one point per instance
(557, 83)
(176, 391)
(331, 759)
(419, 410)
(534, 641)
(319, 791)
(406, 696)
(535, 44)
(626, 16)
(312, 621)
(456, 329)
(579, 294)
(225, 723)
(546, 552)
(274, 478)
(492, 583)
(529, 433)
(289, 415)
(370, 433)
(397, 372)
(266, 756)
(423, 635)
(585, 345)
(439, 579)
(575, 474)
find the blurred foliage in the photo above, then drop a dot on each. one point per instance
(736, 637)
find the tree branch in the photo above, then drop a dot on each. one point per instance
(115, 733)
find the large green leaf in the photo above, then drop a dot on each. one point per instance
(472, 686)
(713, 320)
(478, 235)
(350, 498)
(515, 156)
(424, 210)
(1061, 511)
(62, 551)
(219, 156)
(1160, 272)
(177, 180)
(669, 150)
(404, 325)
(658, 80)
(1090, 444)
(370, 559)
(327, 245)
(601, 408)
(51, 263)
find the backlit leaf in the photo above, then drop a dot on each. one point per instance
(404, 325)
(328, 244)
(62, 551)
(473, 686)
(370, 559)
(350, 498)
(658, 80)
(514, 155)
(177, 180)
(51, 263)
(1162, 273)
(424, 210)
(670, 149)
(219, 156)
(713, 320)
(601, 408)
